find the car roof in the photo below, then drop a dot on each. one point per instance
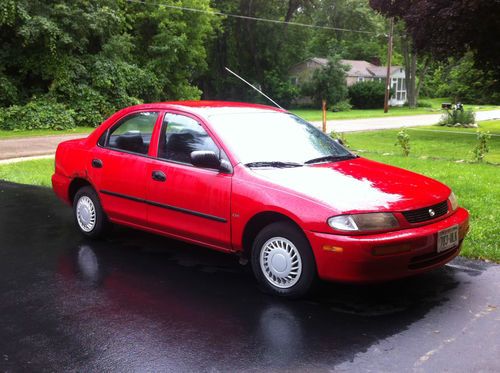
(206, 108)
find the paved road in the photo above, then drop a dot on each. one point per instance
(137, 302)
(368, 124)
(32, 146)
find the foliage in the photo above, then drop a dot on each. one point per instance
(37, 114)
(281, 90)
(443, 28)
(481, 147)
(328, 84)
(340, 136)
(343, 105)
(458, 118)
(460, 80)
(96, 57)
(403, 140)
(255, 49)
(367, 95)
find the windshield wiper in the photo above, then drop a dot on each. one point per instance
(332, 158)
(277, 164)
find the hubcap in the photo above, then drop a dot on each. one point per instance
(85, 213)
(280, 262)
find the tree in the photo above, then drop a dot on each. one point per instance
(99, 56)
(443, 28)
(328, 84)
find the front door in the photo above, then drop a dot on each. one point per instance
(186, 201)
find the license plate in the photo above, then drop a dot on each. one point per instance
(447, 238)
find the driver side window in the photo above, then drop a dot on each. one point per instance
(182, 135)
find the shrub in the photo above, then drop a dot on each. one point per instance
(367, 95)
(327, 84)
(343, 105)
(481, 147)
(403, 140)
(423, 103)
(339, 136)
(37, 114)
(458, 118)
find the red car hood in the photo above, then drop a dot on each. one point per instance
(358, 185)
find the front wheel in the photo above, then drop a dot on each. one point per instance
(282, 260)
(89, 215)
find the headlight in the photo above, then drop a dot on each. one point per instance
(453, 201)
(364, 222)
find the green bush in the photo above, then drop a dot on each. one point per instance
(343, 105)
(367, 95)
(37, 114)
(481, 148)
(458, 118)
(327, 84)
(423, 103)
(403, 140)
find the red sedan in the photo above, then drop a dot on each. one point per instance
(264, 184)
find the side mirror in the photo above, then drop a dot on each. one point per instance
(205, 159)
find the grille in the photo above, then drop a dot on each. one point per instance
(423, 214)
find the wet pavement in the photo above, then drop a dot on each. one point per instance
(138, 302)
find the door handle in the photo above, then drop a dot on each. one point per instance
(96, 163)
(159, 176)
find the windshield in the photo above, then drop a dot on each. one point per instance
(274, 138)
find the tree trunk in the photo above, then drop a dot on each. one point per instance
(421, 76)
(410, 64)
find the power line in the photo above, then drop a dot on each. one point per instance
(217, 13)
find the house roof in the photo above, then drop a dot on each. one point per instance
(359, 67)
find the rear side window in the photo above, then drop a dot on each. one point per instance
(182, 135)
(132, 134)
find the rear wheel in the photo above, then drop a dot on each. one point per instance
(282, 260)
(89, 215)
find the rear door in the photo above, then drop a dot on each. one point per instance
(119, 165)
(186, 201)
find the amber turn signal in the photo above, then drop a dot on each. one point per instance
(335, 249)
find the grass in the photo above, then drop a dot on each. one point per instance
(34, 133)
(433, 142)
(34, 172)
(316, 115)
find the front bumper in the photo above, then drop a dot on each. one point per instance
(354, 260)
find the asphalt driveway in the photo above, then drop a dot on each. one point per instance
(137, 302)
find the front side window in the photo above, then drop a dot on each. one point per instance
(181, 135)
(132, 133)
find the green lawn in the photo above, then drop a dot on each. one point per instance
(316, 115)
(434, 142)
(29, 133)
(35, 172)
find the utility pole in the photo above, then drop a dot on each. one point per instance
(389, 58)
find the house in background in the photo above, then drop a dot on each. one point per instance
(359, 71)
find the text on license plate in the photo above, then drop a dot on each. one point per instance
(447, 238)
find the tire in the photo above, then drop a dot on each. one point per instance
(282, 260)
(88, 213)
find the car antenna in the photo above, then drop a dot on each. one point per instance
(258, 90)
